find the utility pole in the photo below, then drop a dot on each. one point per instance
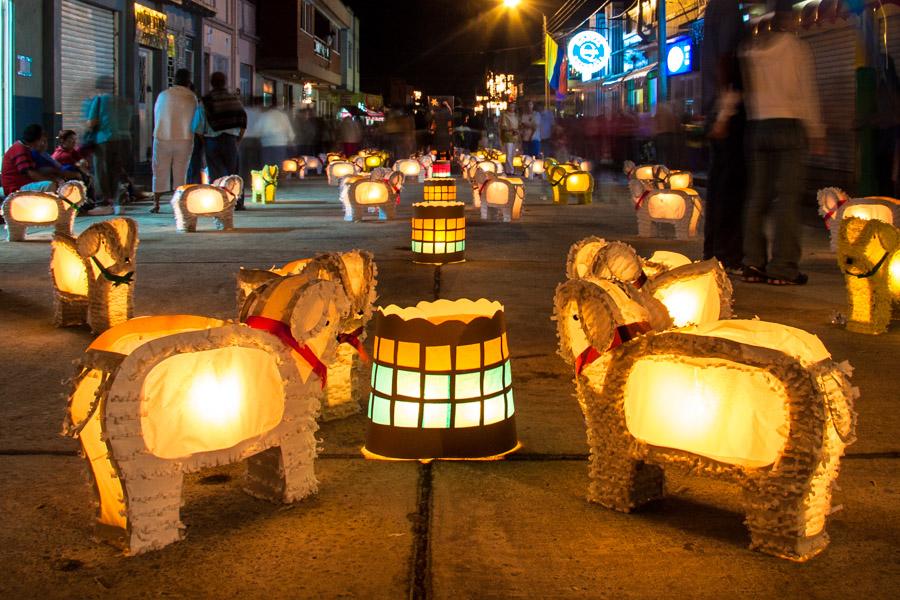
(662, 86)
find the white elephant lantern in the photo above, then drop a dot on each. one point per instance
(534, 168)
(365, 194)
(502, 198)
(293, 167)
(756, 403)
(441, 382)
(311, 163)
(410, 167)
(680, 208)
(191, 202)
(569, 182)
(93, 275)
(21, 210)
(337, 170)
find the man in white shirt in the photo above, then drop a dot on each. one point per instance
(173, 136)
(782, 100)
(531, 130)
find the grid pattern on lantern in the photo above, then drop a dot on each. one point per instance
(438, 236)
(439, 189)
(440, 387)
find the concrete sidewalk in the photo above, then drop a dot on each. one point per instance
(514, 528)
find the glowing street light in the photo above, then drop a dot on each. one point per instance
(511, 3)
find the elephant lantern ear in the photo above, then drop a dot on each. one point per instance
(318, 309)
(617, 260)
(584, 318)
(88, 243)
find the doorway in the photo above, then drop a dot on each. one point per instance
(145, 101)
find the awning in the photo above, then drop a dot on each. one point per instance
(640, 73)
(613, 80)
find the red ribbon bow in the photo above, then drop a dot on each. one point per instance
(352, 338)
(283, 333)
(641, 280)
(640, 201)
(622, 334)
(830, 214)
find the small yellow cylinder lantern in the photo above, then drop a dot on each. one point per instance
(441, 382)
(439, 189)
(439, 232)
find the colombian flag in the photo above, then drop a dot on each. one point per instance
(555, 65)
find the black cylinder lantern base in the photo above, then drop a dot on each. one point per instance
(455, 443)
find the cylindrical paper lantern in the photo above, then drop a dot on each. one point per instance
(441, 168)
(441, 382)
(440, 189)
(439, 232)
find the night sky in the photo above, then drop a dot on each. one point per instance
(445, 46)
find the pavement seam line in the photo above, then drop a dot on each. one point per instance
(420, 558)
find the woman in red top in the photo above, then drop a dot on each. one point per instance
(72, 159)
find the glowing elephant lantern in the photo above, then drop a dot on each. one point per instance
(410, 168)
(311, 163)
(439, 232)
(370, 161)
(364, 194)
(835, 205)
(567, 182)
(518, 163)
(534, 168)
(441, 382)
(333, 157)
(502, 198)
(439, 189)
(21, 210)
(337, 170)
(157, 397)
(680, 208)
(190, 202)
(264, 183)
(293, 167)
(93, 275)
(869, 257)
(760, 404)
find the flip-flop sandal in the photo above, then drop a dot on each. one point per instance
(800, 279)
(754, 275)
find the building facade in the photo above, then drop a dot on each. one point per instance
(309, 55)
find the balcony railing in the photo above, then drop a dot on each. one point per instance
(321, 49)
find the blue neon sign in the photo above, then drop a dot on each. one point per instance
(678, 56)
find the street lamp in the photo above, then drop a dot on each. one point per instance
(515, 4)
(511, 3)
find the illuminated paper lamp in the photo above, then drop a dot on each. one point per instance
(440, 168)
(679, 180)
(426, 161)
(869, 257)
(518, 164)
(93, 275)
(21, 210)
(346, 389)
(190, 202)
(364, 194)
(337, 170)
(835, 205)
(158, 397)
(410, 167)
(756, 403)
(663, 260)
(502, 198)
(233, 184)
(679, 208)
(694, 294)
(372, 161)
(333, 157)
(312, 163)
(650, 175)
(567, 182)
(534, 168)
(439, 232)
(439, 189)
(441, 382)
(293, 167)
(264, 184)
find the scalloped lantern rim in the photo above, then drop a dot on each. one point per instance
(442, 311)
(437, 203)
(441, 322)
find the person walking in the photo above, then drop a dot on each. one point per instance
(173, 136)
(725, 124)
(509, 133)
(108, 135)
(351, 136)
(530, 130)
(784, 123)
(221, 119)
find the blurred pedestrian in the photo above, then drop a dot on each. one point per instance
(173, 136)
(725, 124)
(351, 135)
(509, 133)
(108, 135)
(276, 135)
(546, 125)
(784, 123)
(195, 165)
(530, 130)
(442, 126)
(222, 121)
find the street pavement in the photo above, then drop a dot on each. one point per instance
(517, 528)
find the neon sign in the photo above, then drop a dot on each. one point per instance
(678, 57)
(588, 53)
